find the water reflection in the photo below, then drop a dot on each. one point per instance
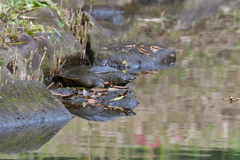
(28, 137)
(104, 114)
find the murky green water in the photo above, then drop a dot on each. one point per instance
(181, 115)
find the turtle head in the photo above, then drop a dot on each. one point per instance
(127, 78)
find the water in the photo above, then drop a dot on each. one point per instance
(181, 115)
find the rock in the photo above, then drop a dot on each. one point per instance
(26, 102)
(113, 51)
(16, 55)
(92, 76)
(28, 137)
(127, 102)
(70, 4)
(104, 97)
(106, 49)
(118, 18)
(196, 10)
(46, 46)
(5, 76)
(66, 47)
(104, 2)
(47, 17)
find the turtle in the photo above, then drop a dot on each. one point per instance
(92, 76)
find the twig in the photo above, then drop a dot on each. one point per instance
(62, 65)
(38, 67)
(50, 85)
(5, 45)
(25, 64)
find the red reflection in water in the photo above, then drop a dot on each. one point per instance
(141, 140)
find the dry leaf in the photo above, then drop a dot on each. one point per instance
(124, 62)
(84, 104)
(124, 50)
(70, 96)
(63, 95)
(156, 48)
(121, 87)
(144, 52)
(91, 101)
(129, 46)
(118, 98)
(85, 93)
(124, 94)
(104, 48)
(112, 89)
(98, 89)
(125, 70)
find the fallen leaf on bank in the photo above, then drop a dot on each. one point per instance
(116, 99)
(121, 87)
(97, 105)
(156, 48)
(125, 70)
(63, 95)
(124, 62)
(98, 89)
(98, 95)
(85, 93)
(124, 94)
(129, 46)
(120, 96)
(145, 52)
(71, 96)
(91, 101)
(115, 107)
(112, 89)
(84, 104)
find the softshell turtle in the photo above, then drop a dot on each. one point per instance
(93, 76)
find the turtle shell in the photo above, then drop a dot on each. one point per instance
(85, 76)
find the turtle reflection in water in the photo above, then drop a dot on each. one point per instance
(92, 76)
